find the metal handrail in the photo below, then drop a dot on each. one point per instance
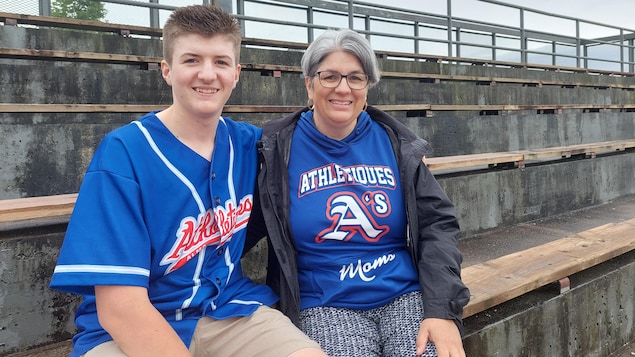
(455, 27)
(456, 35)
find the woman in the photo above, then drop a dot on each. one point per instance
(363, 241)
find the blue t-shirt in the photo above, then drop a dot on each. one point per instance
(153, 213)
(348, 218)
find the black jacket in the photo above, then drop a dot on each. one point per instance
(432, 224)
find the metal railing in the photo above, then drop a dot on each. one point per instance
(440, 33)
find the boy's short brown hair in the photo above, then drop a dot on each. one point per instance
(205, 20)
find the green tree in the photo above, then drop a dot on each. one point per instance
(79, 9)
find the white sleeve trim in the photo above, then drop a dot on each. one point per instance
(105, 269)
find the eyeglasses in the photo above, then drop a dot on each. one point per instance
(332, 79)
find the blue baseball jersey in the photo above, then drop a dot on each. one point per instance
(153, 213)
(348, 218)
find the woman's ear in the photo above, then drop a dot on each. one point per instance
(309, 86)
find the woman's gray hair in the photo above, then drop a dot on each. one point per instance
(345, 40)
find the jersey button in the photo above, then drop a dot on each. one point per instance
(218, 281)
(213, 175)
(220, 251)
(217, 200)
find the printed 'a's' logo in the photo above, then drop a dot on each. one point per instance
(351, 215)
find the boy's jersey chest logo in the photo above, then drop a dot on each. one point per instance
(213, 227)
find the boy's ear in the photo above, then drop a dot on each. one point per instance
(165, 72)
(238, 69)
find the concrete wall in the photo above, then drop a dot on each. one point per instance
(47, 153)
(31, 314)
(490, 199)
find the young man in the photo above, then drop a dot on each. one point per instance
(155, 240)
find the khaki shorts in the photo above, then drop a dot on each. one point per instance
(267, 332)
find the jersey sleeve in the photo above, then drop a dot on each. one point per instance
(106, 242)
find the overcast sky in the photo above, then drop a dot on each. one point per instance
(619, 13)
(614, 12)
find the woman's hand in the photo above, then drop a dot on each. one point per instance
(445, 336)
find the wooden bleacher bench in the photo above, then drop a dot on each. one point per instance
(521, 157)
(130, 108)
(501, 279)
(427, 108)
(20, 209)
(482, 62)
(465, 161)
(146, 62)
(9, 18)
(580, 149)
